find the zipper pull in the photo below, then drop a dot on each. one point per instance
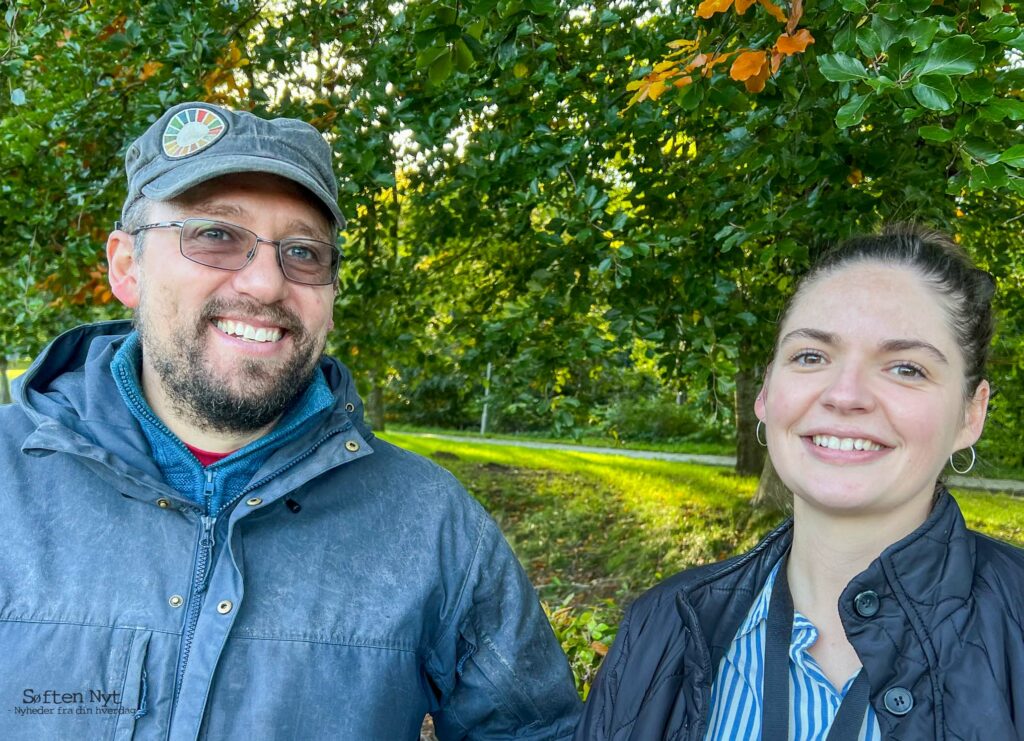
(208, 489)
(207, 544)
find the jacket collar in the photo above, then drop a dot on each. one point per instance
(929, 573)
(70, 396)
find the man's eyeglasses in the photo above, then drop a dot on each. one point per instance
(218, 244)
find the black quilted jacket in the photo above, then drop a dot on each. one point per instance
(936, 620)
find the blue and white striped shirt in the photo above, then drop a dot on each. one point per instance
(736, 693)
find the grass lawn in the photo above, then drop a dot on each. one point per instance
(594, 531)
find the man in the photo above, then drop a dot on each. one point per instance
(200, 535)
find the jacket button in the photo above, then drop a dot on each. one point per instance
(350, 407)
(254, 502)
(224, 607)
(163, 503)
(898, 700)
(351, 445)
(866, 603)
(176, 600)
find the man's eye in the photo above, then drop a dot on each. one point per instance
(214, 234)
(302, 253)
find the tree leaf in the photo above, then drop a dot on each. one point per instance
(922, 31)
(991, 8)
(1014, 156)
(957, 55)
(999, 108)
(852, 113)
(748, 64)
(934, 92)
(976, 90)
(982, 150)
(796, 43)
(440, 68)
(869, 42)
(841, 68)
(463, 56)
(935, 133)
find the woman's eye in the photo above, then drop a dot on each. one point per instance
(908, 371)
(808, 357)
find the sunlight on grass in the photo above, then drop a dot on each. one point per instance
(594, 531)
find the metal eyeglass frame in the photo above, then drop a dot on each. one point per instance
(277, 243)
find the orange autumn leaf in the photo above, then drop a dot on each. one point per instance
(748, 64)
(116, 26)
(707, 62)
(743, 5)
(149, 69)
(755, 83)
(796, 43)
(709, 7)
(652, 86)
(796, 12)
(774, 10)
(683, 44)
(683, 81)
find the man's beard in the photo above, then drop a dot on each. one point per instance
(211, 404)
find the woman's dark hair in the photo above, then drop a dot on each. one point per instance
(942, 264)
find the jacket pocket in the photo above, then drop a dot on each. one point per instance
(66, 680)
(134, 695)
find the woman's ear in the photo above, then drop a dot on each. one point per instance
(123, 268)
(974, 417)
(760, 411)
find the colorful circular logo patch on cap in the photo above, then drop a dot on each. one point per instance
(192, 130)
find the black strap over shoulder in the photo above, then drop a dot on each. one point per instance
(775, 701)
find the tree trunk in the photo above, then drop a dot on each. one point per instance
(772, 494)
(377, 407)
(5, 388)
(750, 455)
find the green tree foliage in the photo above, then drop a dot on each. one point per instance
(543, 185)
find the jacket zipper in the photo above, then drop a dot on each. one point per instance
(200, 578)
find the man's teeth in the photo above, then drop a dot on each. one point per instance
(245, 331)
(845, 443)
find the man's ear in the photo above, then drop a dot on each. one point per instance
(123, 268)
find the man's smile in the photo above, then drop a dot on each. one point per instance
(249, 332)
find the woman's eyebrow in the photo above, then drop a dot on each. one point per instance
(819, 335)
(904, 345)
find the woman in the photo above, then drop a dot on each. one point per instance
(874, 614)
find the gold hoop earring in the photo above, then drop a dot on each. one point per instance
(974, 457)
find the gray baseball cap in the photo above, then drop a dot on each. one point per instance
(195, 142)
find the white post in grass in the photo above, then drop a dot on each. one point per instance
(487, 395)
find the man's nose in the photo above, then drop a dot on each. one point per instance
(262, 278)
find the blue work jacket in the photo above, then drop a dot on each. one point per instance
(352, 588)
